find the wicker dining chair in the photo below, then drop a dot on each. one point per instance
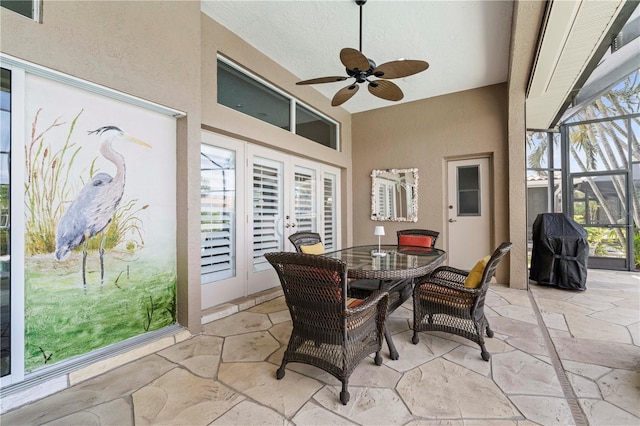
(399, 291)
(417, 237)
(452, 300)
(304, 238)
(327, 333)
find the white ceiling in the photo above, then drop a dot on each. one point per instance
(466, 43)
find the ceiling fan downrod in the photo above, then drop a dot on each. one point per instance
(360, 3)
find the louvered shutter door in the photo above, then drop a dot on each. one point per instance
(305, 199)
(267, 209)
(330, 213)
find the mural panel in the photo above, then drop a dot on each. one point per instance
(100, 237)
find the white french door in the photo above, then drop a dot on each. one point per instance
(222, 210)
(266, 203)
(289, 195)
(330, 208)
(251, 209)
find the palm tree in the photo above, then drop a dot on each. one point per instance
(603, 145)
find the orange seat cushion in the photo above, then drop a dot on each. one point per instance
(415, 240)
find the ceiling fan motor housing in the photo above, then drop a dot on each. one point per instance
(361, 75)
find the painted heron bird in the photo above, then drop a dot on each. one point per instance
(93, 208)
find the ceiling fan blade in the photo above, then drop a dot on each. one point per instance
(353, 59)
(386, 90)
(322, 80)
(344, 94)
(397, 69)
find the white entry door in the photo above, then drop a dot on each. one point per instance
(468, 211)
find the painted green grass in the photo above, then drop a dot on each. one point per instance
(63, 321)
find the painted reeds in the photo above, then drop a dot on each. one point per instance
(49, 190)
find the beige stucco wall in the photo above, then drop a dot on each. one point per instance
(165, 52)
(425, 134)
(127, 46)
(132, 47)
(218, 118)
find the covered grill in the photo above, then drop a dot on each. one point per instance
(560, 252)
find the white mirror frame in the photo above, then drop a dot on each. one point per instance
(394, 195)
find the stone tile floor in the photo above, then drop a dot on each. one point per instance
(558, 357)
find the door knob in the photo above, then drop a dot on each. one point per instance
(452, 220)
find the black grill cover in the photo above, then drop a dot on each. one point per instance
(560, 252)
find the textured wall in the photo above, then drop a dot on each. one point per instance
(219, 118)
(132, 47)
(424, 134)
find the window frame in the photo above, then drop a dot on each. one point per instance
(293, 102)
(17, 293)
(19, 68)
(36, 10)
(477, 191)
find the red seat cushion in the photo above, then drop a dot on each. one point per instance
(352, 302)
(415, 240)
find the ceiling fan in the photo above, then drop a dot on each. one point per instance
(361, 69)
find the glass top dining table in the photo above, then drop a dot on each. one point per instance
(399, 262)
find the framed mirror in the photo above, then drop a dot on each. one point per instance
(394, 195)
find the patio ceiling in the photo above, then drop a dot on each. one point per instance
(465, 42)
(576, 36)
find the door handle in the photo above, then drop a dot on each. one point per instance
(452, 220)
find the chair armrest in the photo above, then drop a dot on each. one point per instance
(452, 285)
(369, 302)
(449, 273)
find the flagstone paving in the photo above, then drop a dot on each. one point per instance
(558, 357)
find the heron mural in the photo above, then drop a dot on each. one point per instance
(93, 208)
(85, 211)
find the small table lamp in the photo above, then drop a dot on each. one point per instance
(379, 231)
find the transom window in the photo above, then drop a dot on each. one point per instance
(240, 90)
(28, 8)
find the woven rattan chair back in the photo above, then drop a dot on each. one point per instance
(441, 302)
(326, 332)
(304, 239)
(420, 232)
